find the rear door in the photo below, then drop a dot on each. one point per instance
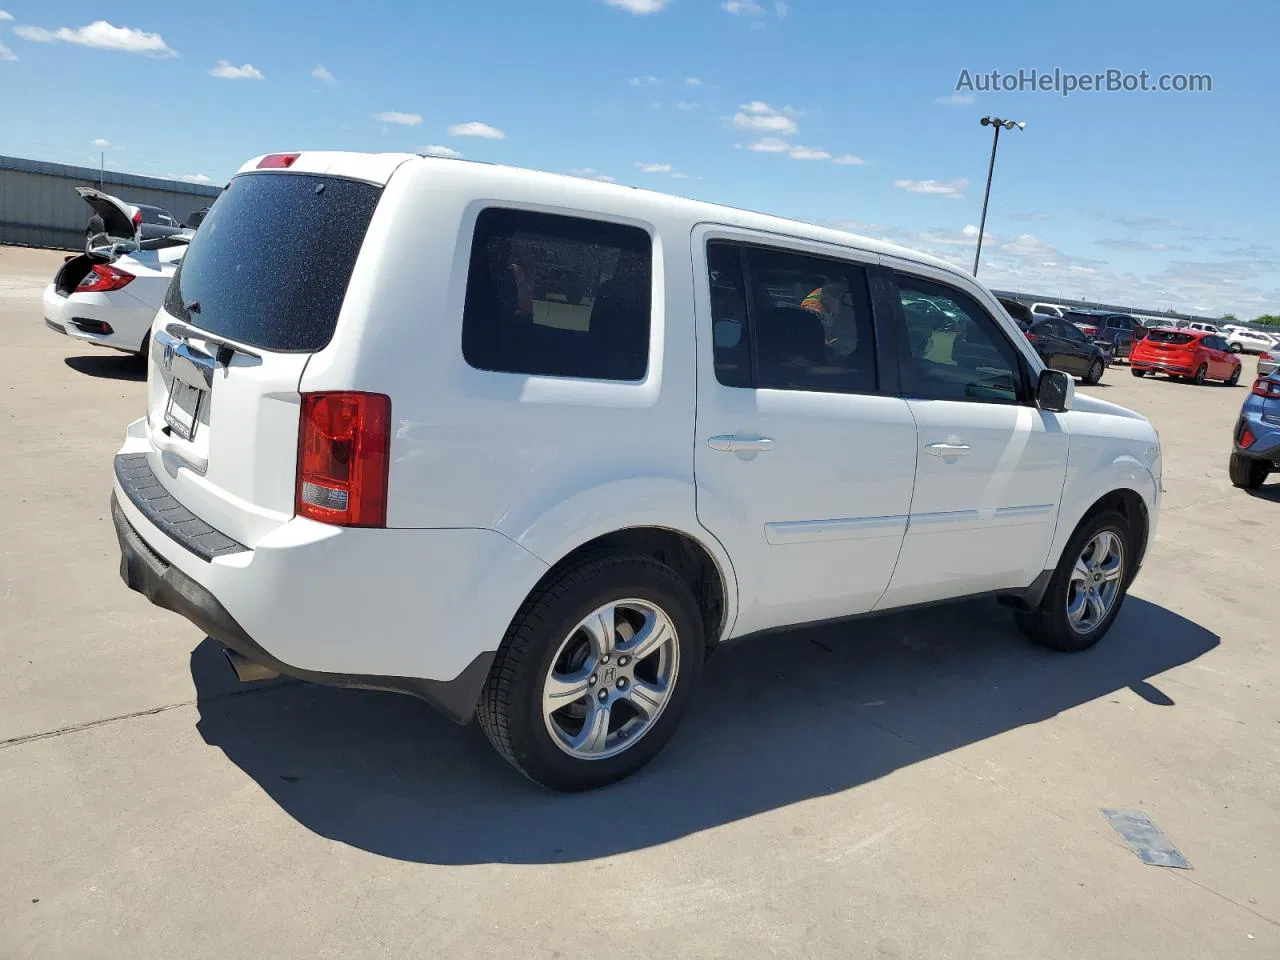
(804, 453)
(1076, 355)
(1223, 361)
(990, 464)
(257, 293)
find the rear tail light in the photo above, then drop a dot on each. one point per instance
(1267, 388)
(137, 220)
(277, 161)
(344, 446)
(1089, 331)
(104, 278)
(1246, 437)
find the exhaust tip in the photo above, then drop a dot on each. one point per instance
(246, 670)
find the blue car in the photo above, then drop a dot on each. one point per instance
(1257, 436)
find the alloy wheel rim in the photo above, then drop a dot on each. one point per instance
(610, 679)
(1095, 580)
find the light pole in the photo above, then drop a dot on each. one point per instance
(995, 142)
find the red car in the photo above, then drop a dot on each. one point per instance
(1195, 354)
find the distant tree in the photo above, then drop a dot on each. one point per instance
(1268, 320)
(1228, 318)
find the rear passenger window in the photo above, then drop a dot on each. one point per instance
(558, 296)
(796, 322)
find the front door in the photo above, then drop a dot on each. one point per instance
(990, 464)
(804, 454)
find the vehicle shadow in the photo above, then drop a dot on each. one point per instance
(110, 366)
(1270, 491)
(778, 720)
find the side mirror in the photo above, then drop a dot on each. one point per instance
(1055, 391)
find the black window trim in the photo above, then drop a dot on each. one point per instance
(1026, 382)
(888, 382)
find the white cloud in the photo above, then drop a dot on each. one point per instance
(848, 160)
(970, 230)
(395, 116)
(225, 70)
(475, 128)
(590, 173)
(639, 7)
(101, 144)
(955, 100)
(687, 106)
(947, 188)
(739, 7)
(646, 81)
(101, 36)
(781, 9)
(693, 81)
(809, 153)
(195, 178)
(324, 76)
(5, 15)
(654, 167)
(679, 176)
(6, 53)
(770, 145)
(761, 117)
(436, 150)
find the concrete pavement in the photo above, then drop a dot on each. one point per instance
(923, 785)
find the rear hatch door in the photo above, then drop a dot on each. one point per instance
(119, 219)
(258, 292)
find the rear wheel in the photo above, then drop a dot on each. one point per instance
(1094, 375)
(1138, 373)
(594, 673)
(1246, 472)
(1236, 348)
(1202, 373)
(1087, 588)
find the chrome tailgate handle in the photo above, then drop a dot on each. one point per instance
(179, 358)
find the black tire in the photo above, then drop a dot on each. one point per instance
(510, 708)
(1232, 380)
(1048, 625)
(1247, 473)
(1138, 373)
(1094, 376)
(1201, 374)
(1236, 348)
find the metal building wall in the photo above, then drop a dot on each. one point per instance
(39, 208)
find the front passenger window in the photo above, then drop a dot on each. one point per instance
(957, 350)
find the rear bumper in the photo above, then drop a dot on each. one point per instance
(78, 315)
(1179, 367)
(413, 611)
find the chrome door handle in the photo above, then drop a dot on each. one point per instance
(729, 443)
(947, 449)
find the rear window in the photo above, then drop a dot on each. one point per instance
(270, 264)
(1169, 336)
(1088, 319)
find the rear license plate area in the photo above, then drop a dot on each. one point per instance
(182, 412)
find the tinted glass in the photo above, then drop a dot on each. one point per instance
(731, 342)
(269, 266)
(1169, 336)
(557, 296)
(1069, 331)
(811, 321)
(1088, 319)
(957, 350)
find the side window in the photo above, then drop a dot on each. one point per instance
(558, 296)
(807, 321)
(1071, 332)
(957, 351)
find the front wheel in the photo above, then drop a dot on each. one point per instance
(1247, 473)
(1094, 376)
(594, 673)
(1234, 378)
(1087, 588)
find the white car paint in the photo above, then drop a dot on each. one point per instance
(1051, 309)
(1244, 340)
(129, 310)
(496, 477)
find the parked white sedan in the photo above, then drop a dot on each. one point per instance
(1242, 340)
(110, 294)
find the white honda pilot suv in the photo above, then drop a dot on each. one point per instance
(530, 447)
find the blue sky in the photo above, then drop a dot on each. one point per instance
(824, 110)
